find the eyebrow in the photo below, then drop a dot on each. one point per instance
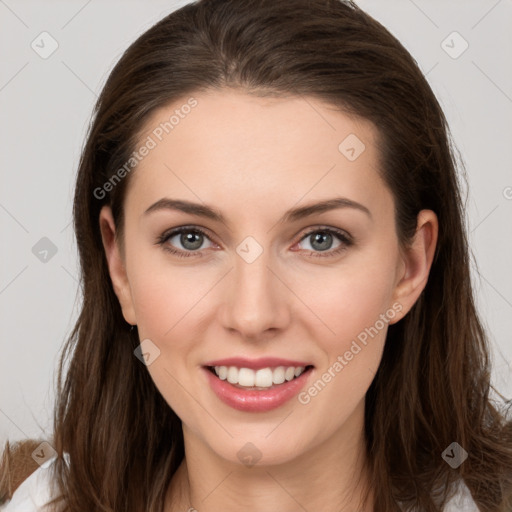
(291, 215)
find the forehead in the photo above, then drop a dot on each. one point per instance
(232, 148)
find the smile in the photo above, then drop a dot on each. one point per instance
(257, 389)
(257, 379)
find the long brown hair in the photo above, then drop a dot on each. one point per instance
(433, 384)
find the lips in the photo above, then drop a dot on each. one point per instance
(257, 399)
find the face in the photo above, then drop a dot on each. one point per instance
(316, 290)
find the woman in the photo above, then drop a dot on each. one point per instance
(277, 309)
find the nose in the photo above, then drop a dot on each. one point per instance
(256, 301)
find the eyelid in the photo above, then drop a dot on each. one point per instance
(187, 227)
(331, 229)
(170, 233)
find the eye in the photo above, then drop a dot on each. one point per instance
(321, 241)
(190, 238)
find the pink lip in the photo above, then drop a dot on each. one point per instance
(253, 400)
(256, 364)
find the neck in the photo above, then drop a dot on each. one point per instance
(331, 477)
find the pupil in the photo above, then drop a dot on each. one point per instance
(319, 237)
(188, 238)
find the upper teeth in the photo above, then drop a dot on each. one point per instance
(263, 378)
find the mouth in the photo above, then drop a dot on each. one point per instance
(257, 385)
(258, 379)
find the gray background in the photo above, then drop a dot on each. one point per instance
(45, 107)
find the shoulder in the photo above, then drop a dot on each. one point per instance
(461, 501)
(38, 489)
(34, 492)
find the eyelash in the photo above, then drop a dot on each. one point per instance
(342, 236)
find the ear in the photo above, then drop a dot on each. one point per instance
(416, 262)
(116, 265)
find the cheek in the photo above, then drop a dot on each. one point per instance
(351, 298)
(163, 293)
(356, 308)
(156, 304)
(167, 301)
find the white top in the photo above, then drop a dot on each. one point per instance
(34, 492)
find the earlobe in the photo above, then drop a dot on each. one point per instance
(116, 265)
(417, 261)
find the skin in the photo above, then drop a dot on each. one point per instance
(254, 158)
